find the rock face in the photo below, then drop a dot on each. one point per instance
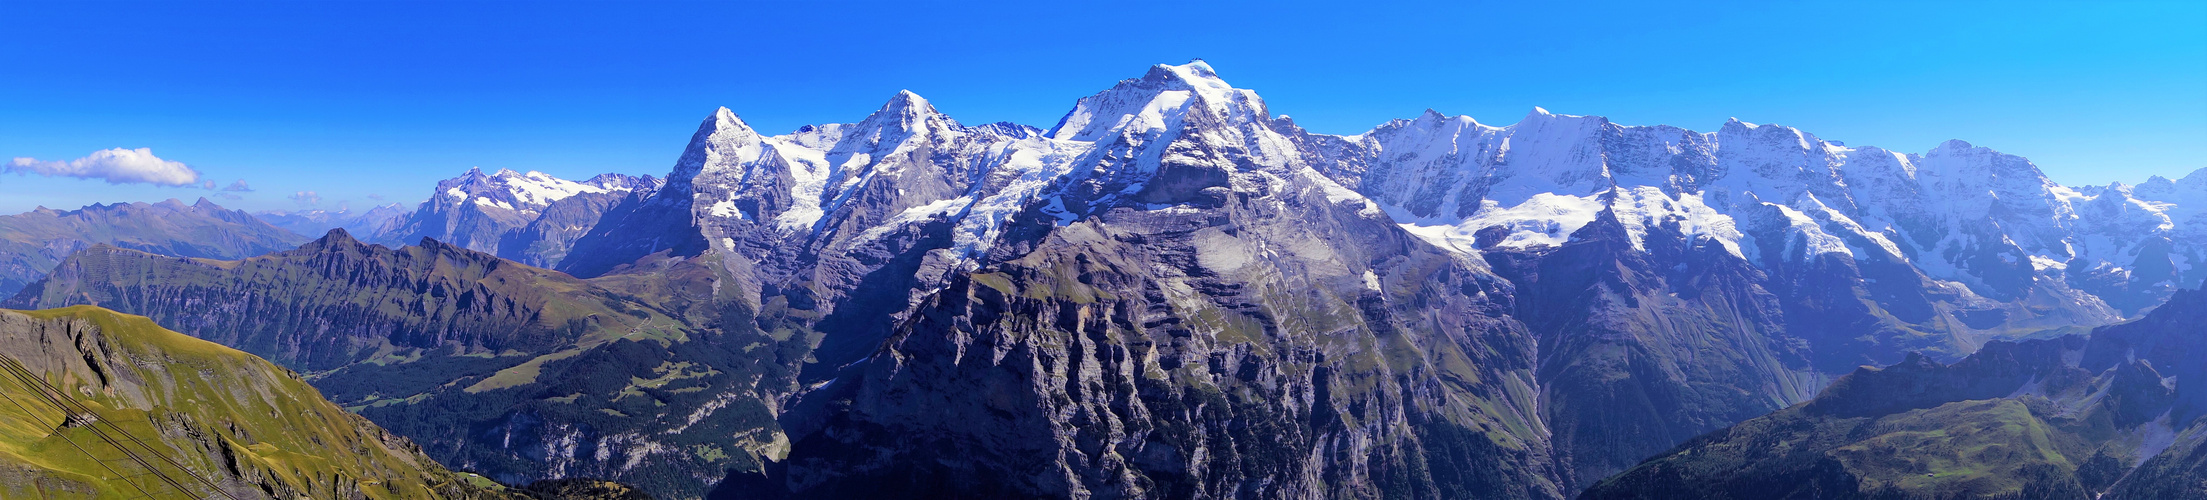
(32, 242)
(2115, 415)
(251, 428)
(532, 218)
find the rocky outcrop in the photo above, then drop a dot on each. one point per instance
(334, 301)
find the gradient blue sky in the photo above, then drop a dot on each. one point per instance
(356, 100)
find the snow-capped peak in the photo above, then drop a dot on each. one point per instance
(529, 191)
(1157, 101)
(722, 139)
(906, 109)
(725, 121)
(2158, 186)
(905, 116)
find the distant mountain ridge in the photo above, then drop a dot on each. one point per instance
(313, 223)
(31, 243)
(531, 217)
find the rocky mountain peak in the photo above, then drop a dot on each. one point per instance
(722, 139)
(2158, 188)
(624, 182)
(907, 106)
(336, 239)
(724, 120)
(906, 117)
(1434, 117)
(1538, 113)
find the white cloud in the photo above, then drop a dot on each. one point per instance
(116, 166)
(306, 198)
(239, 186)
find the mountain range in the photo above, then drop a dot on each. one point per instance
(31, 243)
(315, 222)
(1174, 292)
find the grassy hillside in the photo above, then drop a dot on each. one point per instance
(254, 429)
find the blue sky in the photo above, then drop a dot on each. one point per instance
(360, 100)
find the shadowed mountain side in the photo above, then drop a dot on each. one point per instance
(2113, 416)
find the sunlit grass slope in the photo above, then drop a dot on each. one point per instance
(255, 429)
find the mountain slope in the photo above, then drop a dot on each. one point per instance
(32, 242)
(2113, 416)
(255, 429)
(336, 302)
(1639, 353)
